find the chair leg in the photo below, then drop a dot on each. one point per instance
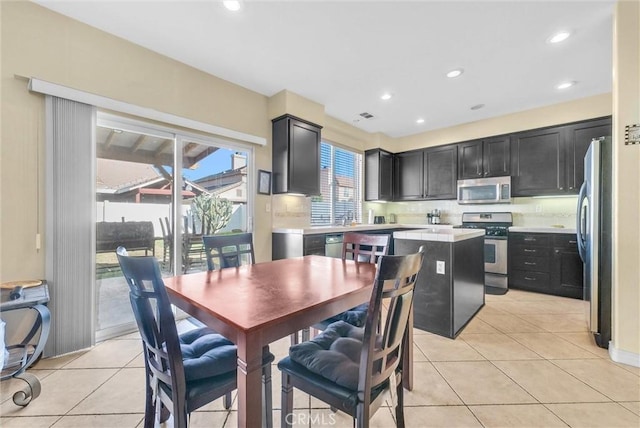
(226, 401)
(400, 405)
(149, 409)
(306, 334)
(287, 402)
(267, 395)
(294, 338)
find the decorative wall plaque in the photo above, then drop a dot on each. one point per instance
(632, 134)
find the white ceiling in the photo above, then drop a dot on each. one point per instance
(345, 54)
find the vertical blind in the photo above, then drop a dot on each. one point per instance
(70, 224)
(340, 186)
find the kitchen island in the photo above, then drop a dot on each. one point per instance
(450, 286)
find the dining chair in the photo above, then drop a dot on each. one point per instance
(350, 368)
(183, 372)
(233, 250)
(362, 248)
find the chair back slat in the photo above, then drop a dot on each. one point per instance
(364, 248)
(382, 348)
(224, 251)
(155, 320)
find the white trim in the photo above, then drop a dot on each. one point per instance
(48, 88)
(624, 357)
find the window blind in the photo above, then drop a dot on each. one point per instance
(340, 186)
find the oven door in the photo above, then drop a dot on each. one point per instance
(495, 256)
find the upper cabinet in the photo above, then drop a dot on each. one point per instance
(426, 174)
(484, 158)
(537, 163)
(296, 156)
(408, 176)
(378, 175)
(440, 172)
(578, 139)
(550, 161)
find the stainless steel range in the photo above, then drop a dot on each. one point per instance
(496, 226)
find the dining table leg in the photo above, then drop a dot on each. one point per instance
(249, 383)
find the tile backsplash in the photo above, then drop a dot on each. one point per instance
(295, 211)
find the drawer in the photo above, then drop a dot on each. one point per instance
(529, 239)
(539, 264)
(530, 251)
(566, 240)
(537, 281)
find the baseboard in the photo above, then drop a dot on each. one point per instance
(624, 357)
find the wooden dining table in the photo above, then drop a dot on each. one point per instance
(255, 305)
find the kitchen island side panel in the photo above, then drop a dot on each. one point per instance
(445, 303)
(432, 303)
(468, 281)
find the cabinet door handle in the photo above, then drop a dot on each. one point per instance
(530, 263)
(530, 239)
(529, 278)
(573, 242)
(527, 250)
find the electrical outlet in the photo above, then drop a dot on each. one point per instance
(440, 267)
(267, 207)
(538, 208)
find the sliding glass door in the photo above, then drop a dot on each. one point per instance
(158, 192)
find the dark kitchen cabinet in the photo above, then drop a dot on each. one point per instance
(408, 176)
(578, 138)
(545, 263)
(440, 172)
(567, 269)
(426, 174)
(378, 175)
(484, 158)
(550, 161)
(296, 156)
(538, 162)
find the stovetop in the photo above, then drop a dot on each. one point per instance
(494, 224)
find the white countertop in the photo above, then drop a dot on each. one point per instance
(356, 228)
(437, 234)
(541, 229)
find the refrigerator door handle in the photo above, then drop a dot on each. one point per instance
(581, 222)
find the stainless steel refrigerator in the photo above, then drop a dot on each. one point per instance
(594, 237)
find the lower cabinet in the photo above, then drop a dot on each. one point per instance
(546, 263)
(288, 245)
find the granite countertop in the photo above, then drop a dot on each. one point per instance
(357, 228)
(538, 229)
(439, 234)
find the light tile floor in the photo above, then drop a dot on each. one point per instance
(526, 360)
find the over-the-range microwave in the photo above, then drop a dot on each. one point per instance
(491, 190)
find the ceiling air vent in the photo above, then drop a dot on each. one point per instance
(363, 116)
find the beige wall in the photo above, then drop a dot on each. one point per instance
(626, 111)
(572, 111)
(39, 43)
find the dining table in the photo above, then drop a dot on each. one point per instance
(254, 305)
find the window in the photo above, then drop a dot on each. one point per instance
(340, 177)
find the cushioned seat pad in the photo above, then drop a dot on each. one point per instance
(354, 316)
(333, 354)
(206, 354)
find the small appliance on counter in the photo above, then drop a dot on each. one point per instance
(379, 219)
(370, 219)
(392, 219)
(433, 217)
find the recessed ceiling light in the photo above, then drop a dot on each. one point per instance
(421, 120)
(455, 73)
(565, 85)
(232, 5)
(559, 37)
(386, 96)
(477, 107)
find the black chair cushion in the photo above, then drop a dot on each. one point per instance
(206, 354)
(333, 354)
(354, 316)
